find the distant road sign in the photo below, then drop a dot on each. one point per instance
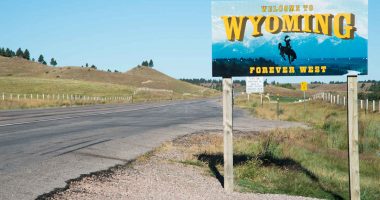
(254, 85)
(304, 86)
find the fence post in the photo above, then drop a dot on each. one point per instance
(366, 106)
(373, 106)
(337, 99)
(344, 101)
(11, 96)
(353, 137)
(3, 96)
(361, 104)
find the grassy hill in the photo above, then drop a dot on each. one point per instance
(137, 77)
(20, 76)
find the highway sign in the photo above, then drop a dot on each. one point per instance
(289, 38)
(303, 86)
(254, 85)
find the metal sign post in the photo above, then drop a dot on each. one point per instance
(304, 89)
(228, 139)
(353, 138)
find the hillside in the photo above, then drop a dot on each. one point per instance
(139, 77)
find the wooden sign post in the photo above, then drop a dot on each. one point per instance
(228, 139)
(353, 138)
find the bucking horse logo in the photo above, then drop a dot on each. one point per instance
(287, 50)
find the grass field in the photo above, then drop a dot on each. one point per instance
(309, 162)
(20, 76)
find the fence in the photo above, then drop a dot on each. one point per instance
(62, 97)
(366, 105)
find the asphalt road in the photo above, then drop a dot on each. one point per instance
(41, 149)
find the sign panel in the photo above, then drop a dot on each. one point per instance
(303, 86)
(289, 37)
(254, 85)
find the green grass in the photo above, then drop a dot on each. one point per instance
(22, 85)
(287, 162)
(308, 162)
(28, 85)
(283, 99)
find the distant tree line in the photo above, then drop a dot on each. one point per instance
(6, 52)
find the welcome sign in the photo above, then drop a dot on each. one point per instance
(289, 37)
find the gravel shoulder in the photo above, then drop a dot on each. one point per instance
(160, 174)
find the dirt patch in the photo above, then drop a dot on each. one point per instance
(162, 174)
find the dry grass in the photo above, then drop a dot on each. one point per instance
(136, 77)
(286, 161)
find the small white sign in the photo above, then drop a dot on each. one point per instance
(254, 85)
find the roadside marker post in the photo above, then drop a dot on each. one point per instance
(304, 89)
(278, 107)
(228, 135)
(353, 136)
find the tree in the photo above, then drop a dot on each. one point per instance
(86, 64)
(44, 63)
(34, 60)
(93, 67)
(151, 63)
(108, 70)
(53, 62)
(145, 63)
(26, 54)
(41, 59)
(19, 53)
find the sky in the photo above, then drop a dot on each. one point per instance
(120, 34)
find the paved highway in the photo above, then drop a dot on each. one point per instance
(41, 149)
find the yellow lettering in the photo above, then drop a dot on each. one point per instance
(265, 70)
(303, 69)
(323, 24)
(258, 70)
(271, 70)
(251, 70)
(292, 23)
(278, 70)
(323, 68)
(257, 22)
(273, 24)
(285, 70)
(235, 27)
(317, 69)
(308, 26)
(291, 70)
(311, 70)
(348, 31)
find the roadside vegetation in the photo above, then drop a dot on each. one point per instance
(22, 77)
(310, 162)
